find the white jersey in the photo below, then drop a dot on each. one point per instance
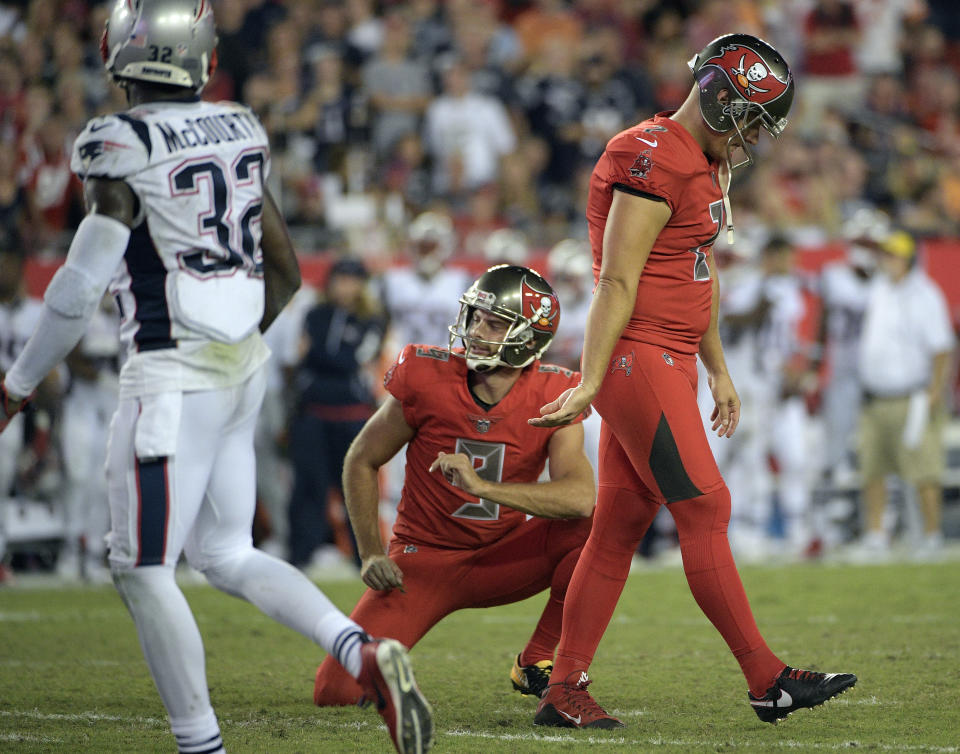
(844, 296)
(567, 346)
(767, 350)
(18, 320)
(422, 309)
(190, 289)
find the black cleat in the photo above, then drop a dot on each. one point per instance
(795, 689)
(531, 679)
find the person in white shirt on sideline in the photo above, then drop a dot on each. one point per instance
(905, 358)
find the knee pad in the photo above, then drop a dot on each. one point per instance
(138, 587)
(221, 571)
(705, 514)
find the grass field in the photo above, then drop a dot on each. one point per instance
(72, 678)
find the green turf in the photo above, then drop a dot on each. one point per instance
(72, 678)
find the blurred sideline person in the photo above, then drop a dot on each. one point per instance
(474, 527)
(341, 335)
(506, 246)
(181, 227)
(271, 437)
(656, 205)
(570, 271)
(761, 313)
(19, 314)
(843, 287)
(89, 403)
(421, 298)
(421, 302)
(906, 357)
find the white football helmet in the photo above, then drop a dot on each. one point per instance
(432, 241)
(865, 231)
(170, 42)
(506, 246)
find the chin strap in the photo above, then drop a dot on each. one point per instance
(725, 189)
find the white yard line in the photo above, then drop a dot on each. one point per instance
(558, 737)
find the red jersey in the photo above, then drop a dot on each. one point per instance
(431, 383)
(659, 159)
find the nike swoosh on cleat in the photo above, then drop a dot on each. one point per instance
(785, 700)
(571, 718)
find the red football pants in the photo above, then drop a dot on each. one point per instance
(654, 450)
(538, 554)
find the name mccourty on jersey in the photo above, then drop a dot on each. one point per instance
(208, 129)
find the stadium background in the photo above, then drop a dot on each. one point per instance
(356, 97)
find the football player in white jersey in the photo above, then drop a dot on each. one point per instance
(89, 402)
(570, 272)
(19, 314)
(421, 302)
(843, 294)
(182, 228)
(762, 316)
(417, 297)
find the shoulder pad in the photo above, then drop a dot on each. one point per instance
(114, 146)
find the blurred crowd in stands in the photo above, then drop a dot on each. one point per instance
(473, 126)
(497, 109)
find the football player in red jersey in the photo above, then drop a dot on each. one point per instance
(475, 527)
(657, 202)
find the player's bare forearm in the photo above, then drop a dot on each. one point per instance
(281, 270)
(557, 498)
(613, 301)
(711, 347)
(361, 492)
(570, 495)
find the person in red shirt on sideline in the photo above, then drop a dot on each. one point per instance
(475, 527)
(657, 202)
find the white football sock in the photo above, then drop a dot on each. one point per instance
(200, 735)
(289, 597)
(169, 638)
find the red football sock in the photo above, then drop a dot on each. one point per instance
(544, 640)
(620, 520)
(716, 586)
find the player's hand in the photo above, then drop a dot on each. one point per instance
(568, 406)
(458, 470)
(726, 410)
(9, 406)
(380, 573)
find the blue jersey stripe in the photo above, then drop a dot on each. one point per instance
(140, 129)
(148, 278)
(152, 492)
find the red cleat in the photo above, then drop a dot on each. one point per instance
(387, 680)
(569, 705)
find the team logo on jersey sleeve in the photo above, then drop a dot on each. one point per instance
(641, 166)
(747, 71)
(539, 307)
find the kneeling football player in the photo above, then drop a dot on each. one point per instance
(475, 527)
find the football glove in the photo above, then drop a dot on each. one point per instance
(10, 407)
